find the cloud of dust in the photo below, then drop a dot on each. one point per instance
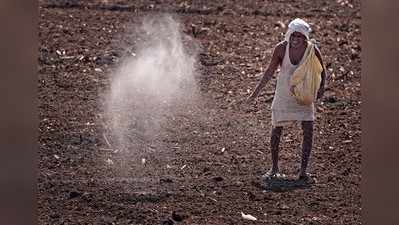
(150, 86)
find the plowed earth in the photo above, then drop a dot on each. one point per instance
(206, 163)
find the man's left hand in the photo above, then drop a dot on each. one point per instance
(320, 93)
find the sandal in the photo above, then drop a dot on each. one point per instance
(270, 175)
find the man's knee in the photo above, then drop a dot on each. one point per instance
(307, 125)
(277, 130)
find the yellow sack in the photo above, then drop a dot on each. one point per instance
(305, 81)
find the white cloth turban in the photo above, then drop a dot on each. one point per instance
(298, 25)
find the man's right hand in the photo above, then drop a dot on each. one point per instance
(251, 98)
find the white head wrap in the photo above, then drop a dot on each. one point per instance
(298, 25)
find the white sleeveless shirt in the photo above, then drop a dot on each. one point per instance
(284, 107)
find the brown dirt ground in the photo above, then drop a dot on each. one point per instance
(189, 176)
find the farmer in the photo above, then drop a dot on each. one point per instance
(285, 109)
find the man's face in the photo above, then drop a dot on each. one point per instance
(297, 39)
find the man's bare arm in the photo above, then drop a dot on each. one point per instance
(273, 65)
(323, 75)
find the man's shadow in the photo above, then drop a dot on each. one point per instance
(285, 184)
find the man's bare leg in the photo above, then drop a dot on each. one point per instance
(274, 146)
(307, 128)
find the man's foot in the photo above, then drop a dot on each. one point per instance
(273, 175)
(303, 176)
(306, 177)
